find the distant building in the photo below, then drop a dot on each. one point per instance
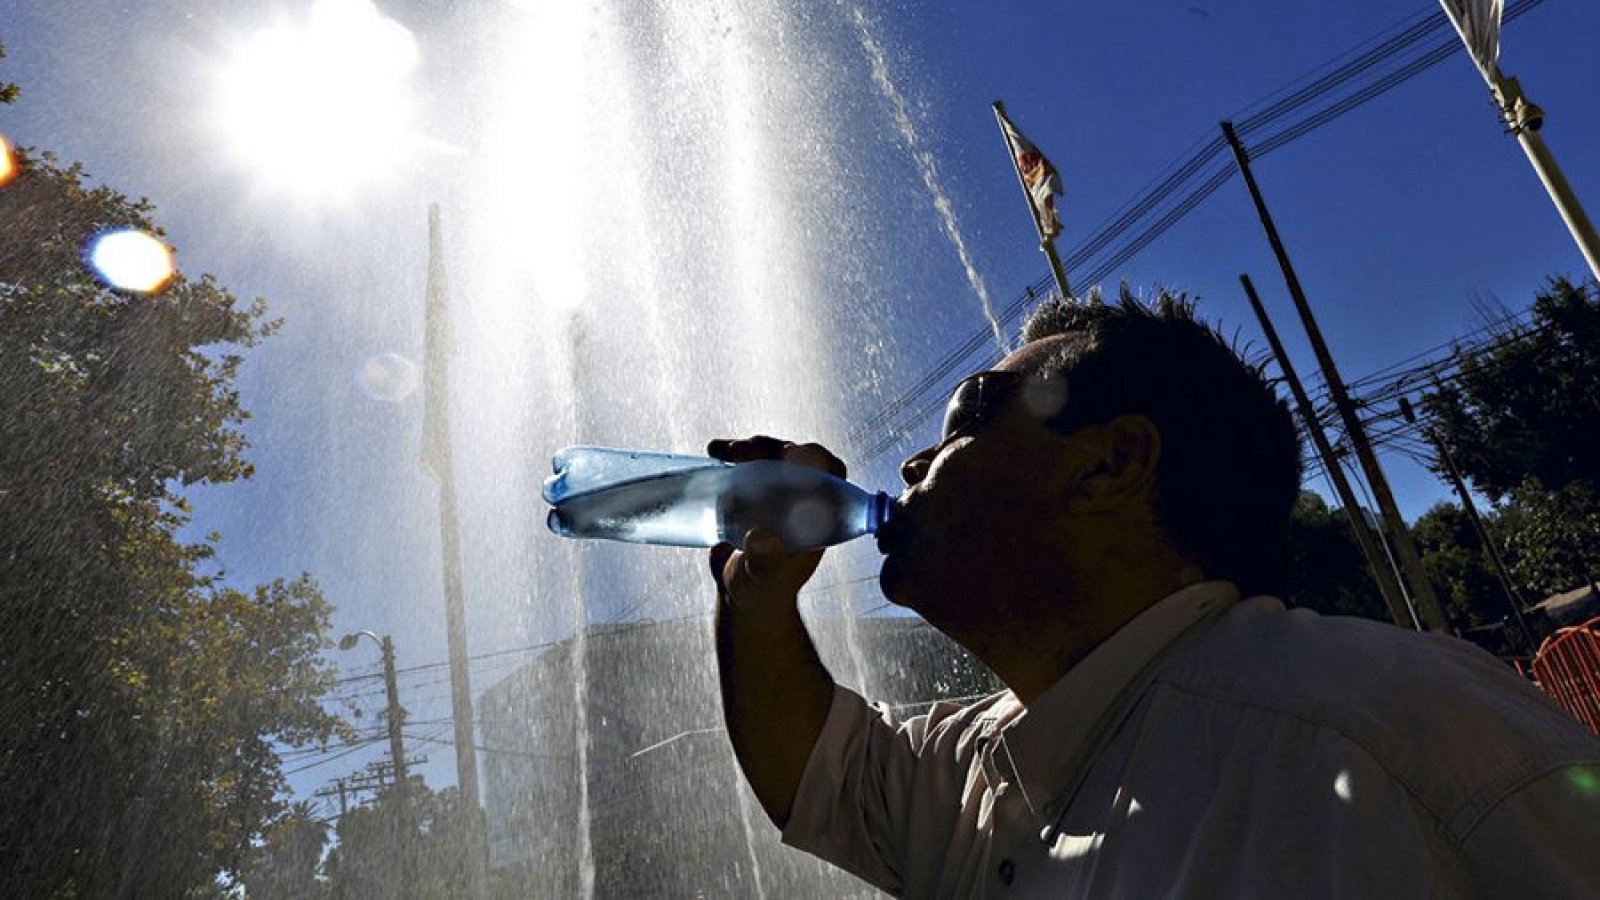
(653, 783)
(1570, 607)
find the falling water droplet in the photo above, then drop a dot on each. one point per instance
(901, 116)
(388, 377)
(131, 260)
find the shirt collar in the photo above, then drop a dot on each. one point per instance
(1046, 743)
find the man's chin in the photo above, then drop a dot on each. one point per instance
(896, 582)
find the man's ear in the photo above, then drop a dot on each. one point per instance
(1120, 465)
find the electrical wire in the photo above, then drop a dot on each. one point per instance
(1407, 36)
(340, 755)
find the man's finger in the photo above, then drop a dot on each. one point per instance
(747, 449)
(765, 543)
(720, 554)
(764, 554)
(817, 457)
(768, 564)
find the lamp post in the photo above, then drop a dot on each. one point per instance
(397, 750)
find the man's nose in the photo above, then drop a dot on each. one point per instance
(915, 468)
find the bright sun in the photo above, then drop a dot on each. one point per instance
(321, 105)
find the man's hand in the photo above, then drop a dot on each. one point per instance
(765, 571)
(775, 691)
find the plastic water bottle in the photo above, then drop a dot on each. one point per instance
(697, 501)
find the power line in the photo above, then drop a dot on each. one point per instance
(1389, 433)
(497, 751)
(340, 755)
(307, 752)
(425, 667)
(1402, 435)
(1385, 38)
(1410, 33)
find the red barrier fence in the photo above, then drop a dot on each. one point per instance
(1567, 667)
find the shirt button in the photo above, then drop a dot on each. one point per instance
(1008, 871)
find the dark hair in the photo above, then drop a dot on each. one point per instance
(1230, 459)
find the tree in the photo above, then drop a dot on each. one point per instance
(1552, 538)
(288, 864)
(433, 855)
(1523, 420)
(1456, 561)
(1530, 405)
(140, 694)
(1327, 572)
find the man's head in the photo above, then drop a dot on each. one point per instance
(1120, 439)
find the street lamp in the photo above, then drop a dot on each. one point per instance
(397, 750)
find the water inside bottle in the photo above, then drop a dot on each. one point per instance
(672, 510)
(580, 470)
(683, 501)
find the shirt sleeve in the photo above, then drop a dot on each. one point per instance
(1541, 840)
(851, 807)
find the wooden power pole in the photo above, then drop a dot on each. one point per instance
(1427, 603)
(1382, 571)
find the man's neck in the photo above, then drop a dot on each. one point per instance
(1031, 652)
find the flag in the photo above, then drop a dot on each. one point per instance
(1478, 22)
(1039, 177)
(438, 347)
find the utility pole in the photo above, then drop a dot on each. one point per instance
(397, 750)
(397, 756)
(1382, 572)
(1427, 602)
(438, 457)
(1502, 573)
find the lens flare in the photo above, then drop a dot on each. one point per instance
(1341, 786)
(131, 260)
(322, 105)
(388, 377)
(8, 165)
(1586, 780)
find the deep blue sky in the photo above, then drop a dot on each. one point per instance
(1400, 216)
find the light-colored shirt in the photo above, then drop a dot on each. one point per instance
(1217, 748)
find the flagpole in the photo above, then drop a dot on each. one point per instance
(1047, 244)
(1524, 119)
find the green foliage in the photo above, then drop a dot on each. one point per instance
(140, 695)
(1462, 572)
(1552, 537)
(1530, 407)
(1459, 567)
(376, 853)
(288, 864)
(1327, 572)
(8, 91)
(1523, 422)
